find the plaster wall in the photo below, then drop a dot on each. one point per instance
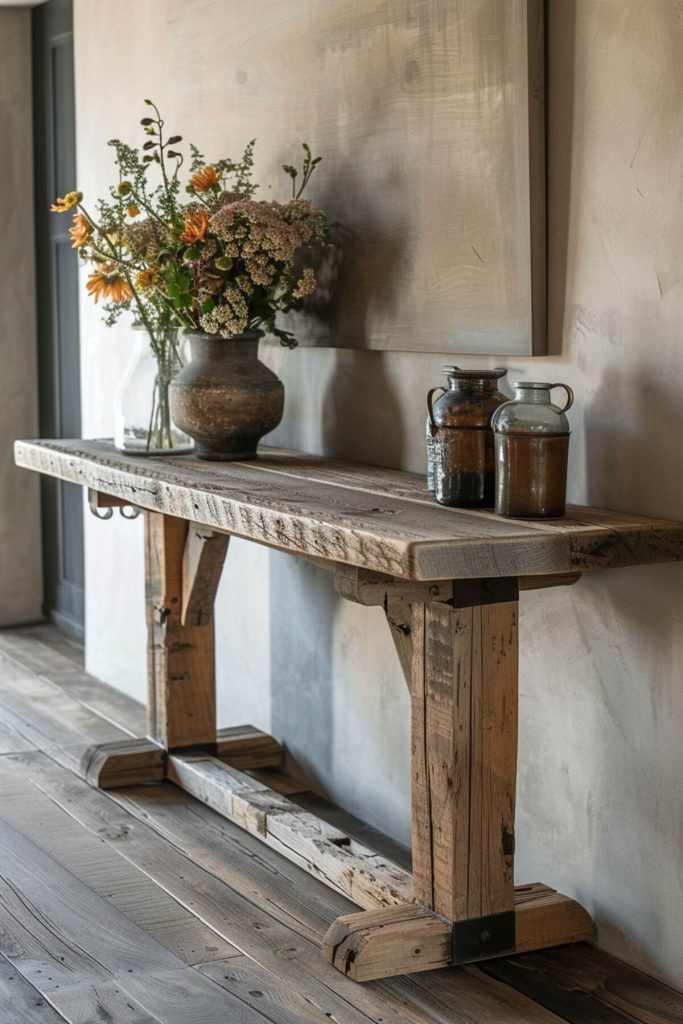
(601, 733)
(21, 583)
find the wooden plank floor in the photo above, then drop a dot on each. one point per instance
(142, 906)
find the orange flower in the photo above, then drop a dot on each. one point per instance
(80, 231)
(195, 226)
(132, 210)
(203, 180)
(108, 281)
(70, 200)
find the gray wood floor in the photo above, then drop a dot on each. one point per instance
(144, 907)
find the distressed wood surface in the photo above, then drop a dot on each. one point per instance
(584, 985)
(123, 763)
(203, 560)
(266, 906)
(20, 1002)
(137, 761)
(181, 702)
(408, 939)
(77, 918)
(324, 851)
(341, 512)
(464, 757)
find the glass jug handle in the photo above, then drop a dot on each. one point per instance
(570, 395)
(430, 407)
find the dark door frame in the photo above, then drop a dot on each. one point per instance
(57, 298)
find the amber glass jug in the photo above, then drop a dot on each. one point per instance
(532, 446)
(460, 439)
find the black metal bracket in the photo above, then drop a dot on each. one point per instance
(470, 593)
(482, 937)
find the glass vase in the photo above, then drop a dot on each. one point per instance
(142, 417)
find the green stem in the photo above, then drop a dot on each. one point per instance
(173, 311)
(126, 274)
(160, 123)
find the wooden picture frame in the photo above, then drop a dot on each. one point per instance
(430, 120)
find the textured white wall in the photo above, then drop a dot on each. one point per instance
(21, 579)
(601, 735)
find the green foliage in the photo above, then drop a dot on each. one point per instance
(210, 257)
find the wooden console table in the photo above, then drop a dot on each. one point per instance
(448, 581)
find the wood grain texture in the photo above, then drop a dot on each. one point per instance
(123, 763)
(588, 986)
(464, 743)
(584, 985)
(310, 512)
(408, 939)
(181, 701)
(109, 921)
(277, 914)
(203, 560)
(21, 1003)
(399, 616)
(248, 748)
(383, 943)
(319, 848)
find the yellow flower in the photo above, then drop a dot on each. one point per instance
(133, 210)
(203, 180)
(195, 226)
(80, 231)
(146, 279)
(108, 281)
(70, 200)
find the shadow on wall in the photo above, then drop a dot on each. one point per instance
(361, 414)
(361, 419)
(560, 87)
(635, 424)
(303, 606)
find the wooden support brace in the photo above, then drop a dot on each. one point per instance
(137, 761)
(365, 587)
(322, 850)
(203, 559)
(123, 763)
(407, 939)
(399, 616)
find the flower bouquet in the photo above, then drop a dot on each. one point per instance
(205, 257)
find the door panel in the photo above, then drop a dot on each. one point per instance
(57, 288)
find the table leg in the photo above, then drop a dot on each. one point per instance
(464, 679)
(464, 758)
(183, 564)
(181, 700)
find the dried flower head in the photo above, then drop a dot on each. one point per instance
(109, 283)
(80, 231)
(142, 236)
(70, 200)
(146, 279)
(306, 284)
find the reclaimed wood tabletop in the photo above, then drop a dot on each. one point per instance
(353, 514)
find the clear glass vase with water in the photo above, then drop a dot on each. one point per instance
(142, 417)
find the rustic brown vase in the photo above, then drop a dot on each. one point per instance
(225, 398)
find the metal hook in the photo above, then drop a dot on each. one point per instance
(105, 513)
(129, 511)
